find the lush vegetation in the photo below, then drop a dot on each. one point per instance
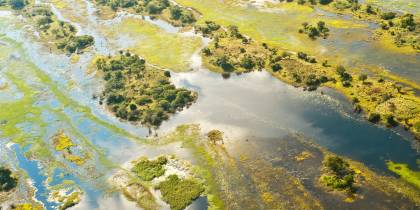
(164, 9)
(320, 30)
(338, 174)
(403, 28)
(179, 193)
(147, 169)
(383, 101)
(7, 180)
(140, 93)
(64, 144)
(61, 33)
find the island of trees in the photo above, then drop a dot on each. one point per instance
(165, 9)
(61, 33)
(137, 92)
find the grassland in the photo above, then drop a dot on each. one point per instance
(158, 47)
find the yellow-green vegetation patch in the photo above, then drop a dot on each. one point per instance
(62, 141)
(28, 206)
(158, 47)
(408, 175)
(137, 92)
(179, 193)
(66, 201)
(147, 169)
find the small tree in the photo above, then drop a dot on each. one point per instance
(215, 136)
(17, 4)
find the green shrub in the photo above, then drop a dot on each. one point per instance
(179, 193)
(7, 181)
(339, 175)
(17, 4)
(147, 170)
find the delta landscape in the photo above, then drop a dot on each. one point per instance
(209, 104)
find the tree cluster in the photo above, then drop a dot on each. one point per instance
(339, 175)
(138, 93)
(154, 7)
(63, 32)
(320, 30)
(7, 180)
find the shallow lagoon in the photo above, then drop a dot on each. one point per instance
(253, 105)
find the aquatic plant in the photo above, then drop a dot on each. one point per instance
(406, 174)
(179, 193)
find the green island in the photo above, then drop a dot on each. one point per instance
(137, 92)
(179, 193)
(61, 34)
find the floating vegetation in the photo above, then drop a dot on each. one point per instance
(179, 193)
(408, 175)
(67, 201)
(63, 143)
(140, 93)
(147, 169)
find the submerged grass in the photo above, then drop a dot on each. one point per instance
(158, 47)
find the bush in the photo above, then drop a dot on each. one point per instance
(7, 181)
(388, 15)
(324, 2)
(374, 117)
(147, 170)
(339, 174)
(17, 4)
(179, 193)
